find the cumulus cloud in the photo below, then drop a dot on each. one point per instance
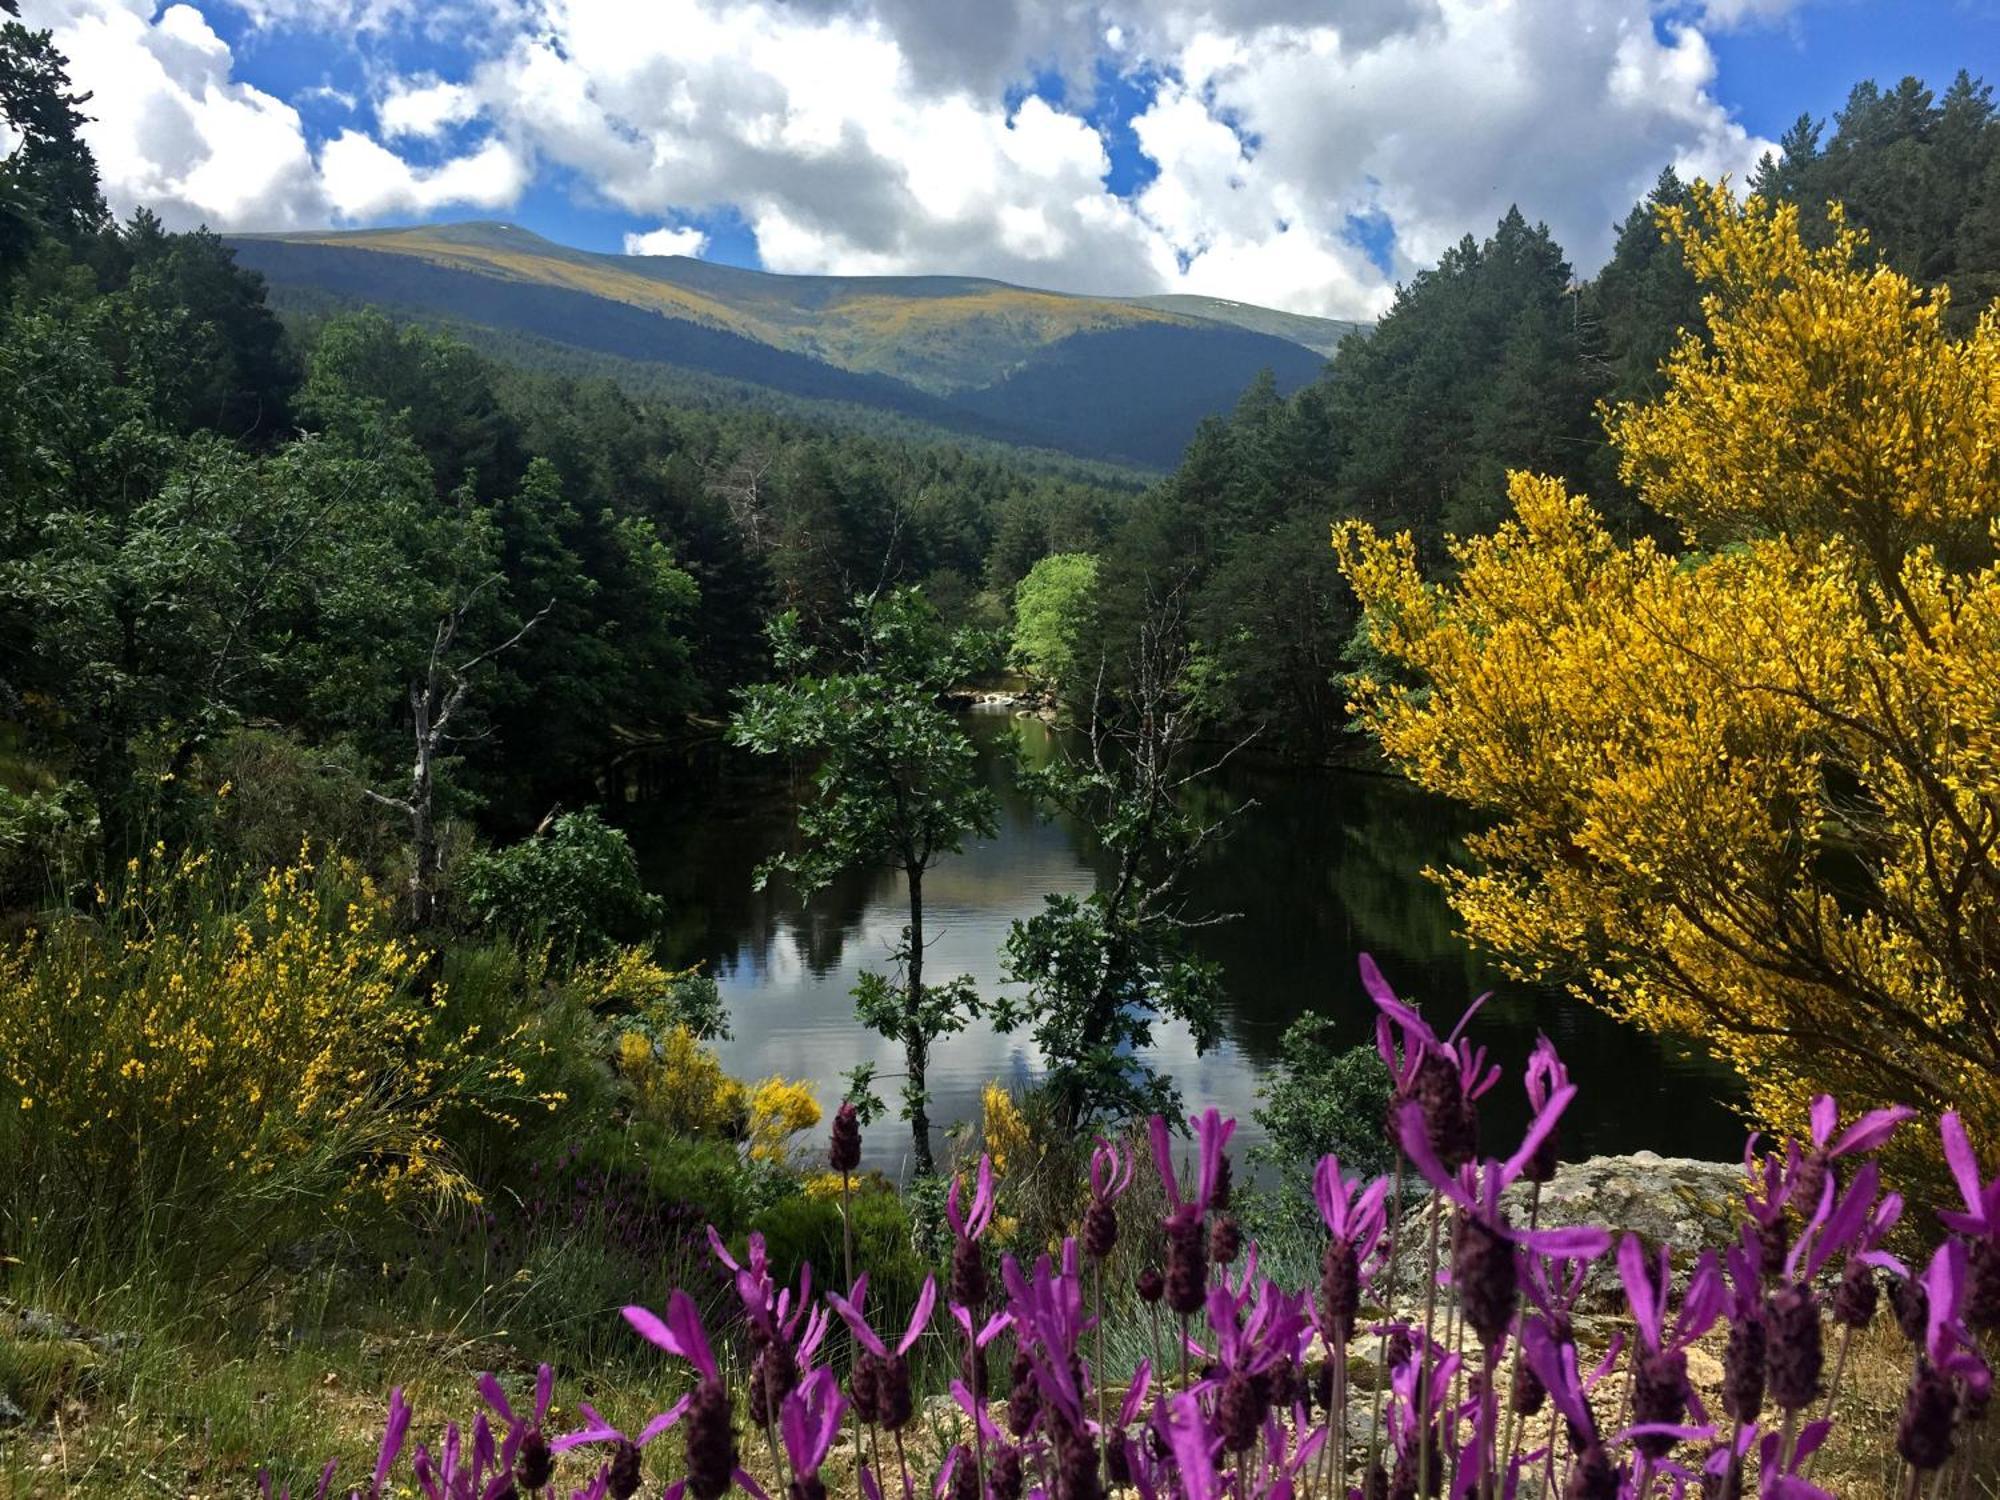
(667, 240)
(880, 136)
(424, 107)
(363, 180)
(174, 130)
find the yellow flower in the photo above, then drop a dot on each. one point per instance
(1005, 1131)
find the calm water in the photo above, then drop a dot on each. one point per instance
(1325, 866)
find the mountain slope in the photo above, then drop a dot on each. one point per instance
(1124, 379)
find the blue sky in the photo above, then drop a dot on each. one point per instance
(1301, 153)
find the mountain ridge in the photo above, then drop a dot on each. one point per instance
(1119, 378)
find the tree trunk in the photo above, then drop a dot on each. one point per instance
(424, 854)
(916, 1046)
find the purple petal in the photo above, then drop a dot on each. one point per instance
(1163, 1158)
(920, 1316)
(1964, 1164)
(664, 1420)
(1634, 1272)
(1571, 1242)
(1871, 1130)
(492, 1394)
(1825, 1119)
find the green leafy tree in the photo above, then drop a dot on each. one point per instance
(893, 786)
(49, 181)
(573, 885)
(1100, 971)
(1322, 1099)
(1055, 608)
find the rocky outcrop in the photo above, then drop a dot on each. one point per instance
(1685, 1204)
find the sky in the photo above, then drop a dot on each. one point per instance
(1303, 154)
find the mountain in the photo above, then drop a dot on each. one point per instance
(1120, 378)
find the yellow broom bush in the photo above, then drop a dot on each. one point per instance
(236, 1050)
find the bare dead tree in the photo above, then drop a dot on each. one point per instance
(435, 700)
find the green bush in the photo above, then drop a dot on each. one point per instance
(575, 887)
(804, 1228)
(1323, 1099)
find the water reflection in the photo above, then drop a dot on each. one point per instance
(1323, 867)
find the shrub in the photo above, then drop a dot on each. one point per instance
(804, 1230)
(575, 887)
(224, 1058)
(47, 839)
(679, 1084)
(631, 984)
(1323, 1100)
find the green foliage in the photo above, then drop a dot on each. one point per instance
(1054, 609)
(1323, 1099)
(1099, 971)
(46, 840)
(804, 1229)
(574, 886)
(893, 787)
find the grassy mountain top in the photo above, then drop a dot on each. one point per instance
(941, 334)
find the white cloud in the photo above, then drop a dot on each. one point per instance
(424, 107)
(174, 130)
(666, 241)
(872, 135)
(363, 180)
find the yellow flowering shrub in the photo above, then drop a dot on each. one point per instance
(679, 1084)
(779, 1109)
(1748, 791)
(230, 1046)
(1002, 1126)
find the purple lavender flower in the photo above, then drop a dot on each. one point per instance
(1355, 1218)
(1866, 1134)
(710, 1439)
(1980, 1224)
(1111, 1169)
(968, 1262)
(528, 1451)
(1544, 1077)
(894, 1401)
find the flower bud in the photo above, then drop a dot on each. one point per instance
(1151, 1285)
(969, 1284)
(536, 1465)
(621, 1475)
(1923, 1436)
(843, 1151)
(1743, 1369)
(1488, 1275)
(1794, 1352)
(1659, 1394)
(711, 1442)
(1857, 1296)
(1100, 1230)
(1912, 1307)
(1187, 1262)
(1225, 1240)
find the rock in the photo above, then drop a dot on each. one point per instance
(1685, 1204)
(11, 1415)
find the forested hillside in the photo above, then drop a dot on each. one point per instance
(1123, 379)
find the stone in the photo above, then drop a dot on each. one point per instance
(1680, 1202)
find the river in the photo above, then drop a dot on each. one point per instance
(1324, 866)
